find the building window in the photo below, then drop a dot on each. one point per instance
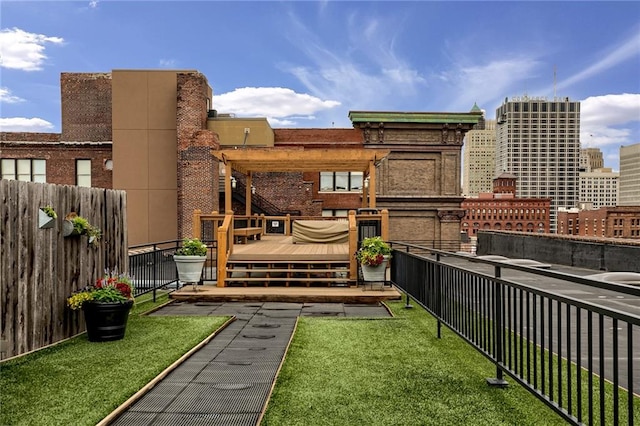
(335, 213)
(26, 169)
(83, 173)
(341, 181)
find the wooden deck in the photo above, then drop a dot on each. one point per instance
(364, 294)
(282, 248)
(274, 269)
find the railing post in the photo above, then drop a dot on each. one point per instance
(438, 293)
(498, 322)
(155, 266)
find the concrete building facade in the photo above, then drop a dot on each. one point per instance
(591, 159)
(479, 165)
(629, 175)
(599, 188)
(539, 141)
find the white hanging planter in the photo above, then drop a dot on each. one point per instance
(67, 228)
(189, 267)
(375, 273)
(44, 220)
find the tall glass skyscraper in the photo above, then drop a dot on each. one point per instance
(539, 141)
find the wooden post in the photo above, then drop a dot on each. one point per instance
(385, 224)
(365, 191)
(197, 225)
(372, 185)
(247, 197)
(353, 246)
(228, 173)
(287, 225)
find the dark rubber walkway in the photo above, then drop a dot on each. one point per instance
(228, 381)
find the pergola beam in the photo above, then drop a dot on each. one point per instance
(249, 161)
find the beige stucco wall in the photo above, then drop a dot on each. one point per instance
(145, 151)
(231, 131)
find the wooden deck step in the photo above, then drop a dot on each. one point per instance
(275, 260)
(287, 281)
(285, 261)
(279, 271)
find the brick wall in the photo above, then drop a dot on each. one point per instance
(86, 106)
(319, 138)
(301, 191)
(29, 137)
(197, 168)
(608, 222)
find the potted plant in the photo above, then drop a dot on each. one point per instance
(46, 217)
(78, 225)
(74, 225)
(373, 256)
(94, 234)
(106, 305)
(190, 259)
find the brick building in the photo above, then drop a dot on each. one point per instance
(501, 210)
(152, 132)
(607, 222)
(43, 157)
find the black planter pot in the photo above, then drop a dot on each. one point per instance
(106, 321)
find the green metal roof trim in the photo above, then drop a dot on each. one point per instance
(413, 117)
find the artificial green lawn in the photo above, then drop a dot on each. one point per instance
(338, 372)
(393, 372)
(79, 383)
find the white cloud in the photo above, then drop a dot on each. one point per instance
(93, 4)
(22, 124)
(625, 51)
(605, 120)
(22, 50)
(366, 73)
(484, 83)
(7, 97)
(167, 63)
(281, 105)
(276, 122)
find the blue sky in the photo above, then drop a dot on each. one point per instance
(307, 64)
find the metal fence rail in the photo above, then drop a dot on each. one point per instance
(152, 266)
(575, 356)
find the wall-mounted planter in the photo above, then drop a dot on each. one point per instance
(44, 220)
(67, 228)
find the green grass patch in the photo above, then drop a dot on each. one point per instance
(78, 382)
(393, 372)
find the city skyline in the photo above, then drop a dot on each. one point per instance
(306, 64)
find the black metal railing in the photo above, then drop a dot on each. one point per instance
(152, 266)
(576, 356)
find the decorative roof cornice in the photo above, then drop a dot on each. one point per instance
(414, 117)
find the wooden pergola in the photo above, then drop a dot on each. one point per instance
(249, 161)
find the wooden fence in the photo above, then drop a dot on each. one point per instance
(40, 268)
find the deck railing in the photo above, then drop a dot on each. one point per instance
(576, 356)
(152, 266)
